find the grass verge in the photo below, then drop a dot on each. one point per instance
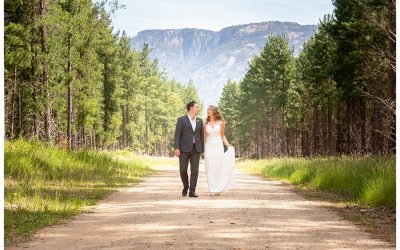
(369, 180)
(45, 185)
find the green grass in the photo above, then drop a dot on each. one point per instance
(45, 185)
(369, 180)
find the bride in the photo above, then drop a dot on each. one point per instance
(220, 166)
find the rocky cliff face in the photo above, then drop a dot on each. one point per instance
(211, 58)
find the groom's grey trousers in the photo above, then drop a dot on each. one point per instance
(191, 145)
(194, 158)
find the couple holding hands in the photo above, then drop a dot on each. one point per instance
(192, 138)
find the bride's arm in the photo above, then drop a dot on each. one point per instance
(224, 140)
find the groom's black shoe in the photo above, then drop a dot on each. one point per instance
(193, 194)
(184, 192)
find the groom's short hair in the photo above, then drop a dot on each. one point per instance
(190, 104)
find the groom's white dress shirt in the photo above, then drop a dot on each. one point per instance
(193, 122)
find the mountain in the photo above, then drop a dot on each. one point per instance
(210, 58)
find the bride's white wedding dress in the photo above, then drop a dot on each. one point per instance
(219, 166)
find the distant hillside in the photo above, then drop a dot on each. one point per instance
(211, 58)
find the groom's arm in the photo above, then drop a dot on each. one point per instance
(178, 132)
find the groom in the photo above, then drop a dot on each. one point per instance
(188, 144)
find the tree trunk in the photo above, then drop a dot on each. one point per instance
(272, 132)
(349, 125)
(339, 129)
(165, 140)
(330, 130)
(35, 92)
(305, 142)
(146, 135)
(257, 141)
(69, 97)
(45, 77)
(262, 140)
(392, 74)
(315, 131)
(268, 133)
(283, 133)
(363, 122)
(124, 125)
(127, 122)
(13, 96)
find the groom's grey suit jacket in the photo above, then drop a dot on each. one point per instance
(184, 135)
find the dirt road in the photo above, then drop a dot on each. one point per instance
(259, 214)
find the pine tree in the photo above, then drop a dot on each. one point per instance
(229, 106)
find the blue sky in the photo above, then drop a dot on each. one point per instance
(214, 14)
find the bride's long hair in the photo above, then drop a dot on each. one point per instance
(217, 114)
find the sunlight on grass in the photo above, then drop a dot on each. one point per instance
(44, 185)
(370, 180)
